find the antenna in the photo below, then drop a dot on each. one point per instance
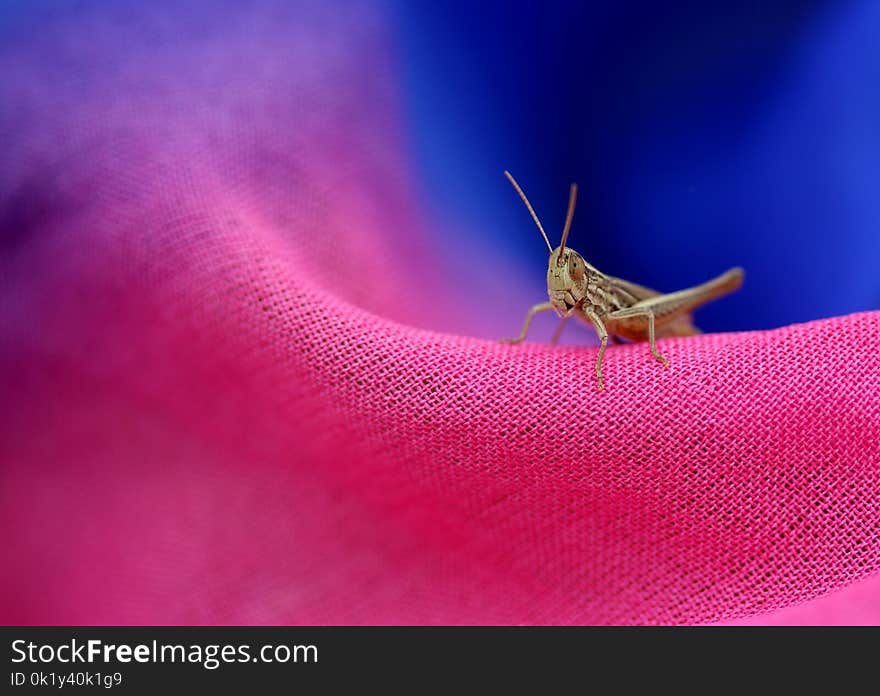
(572, 199)
(532, 210)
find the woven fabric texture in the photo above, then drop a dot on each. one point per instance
(225, 399)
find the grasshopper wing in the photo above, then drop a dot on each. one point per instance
(682, 326)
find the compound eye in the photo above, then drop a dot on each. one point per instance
(576, 268)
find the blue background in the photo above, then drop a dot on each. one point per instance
(702, 137)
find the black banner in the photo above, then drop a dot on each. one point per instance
(272, 659)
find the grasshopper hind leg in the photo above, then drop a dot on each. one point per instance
(653, 341)
(626, 316)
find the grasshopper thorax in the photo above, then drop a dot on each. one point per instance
(566, 279)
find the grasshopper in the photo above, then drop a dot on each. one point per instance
(615, 307)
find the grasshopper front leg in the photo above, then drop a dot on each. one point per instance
(556, 334)
(538, 308)
(603, 338)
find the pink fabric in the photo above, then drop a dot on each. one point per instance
(241, 387)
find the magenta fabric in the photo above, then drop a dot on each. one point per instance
(240, 385)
